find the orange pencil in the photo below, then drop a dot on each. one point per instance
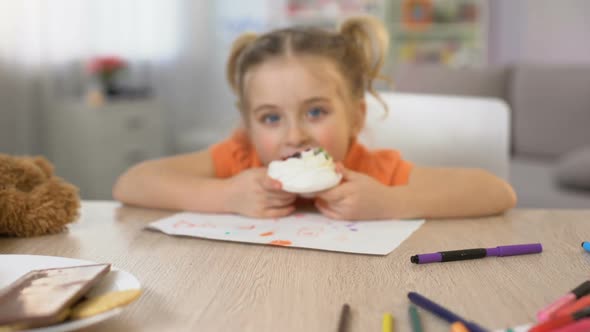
(458, 327)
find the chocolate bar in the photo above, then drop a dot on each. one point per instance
(40, 297)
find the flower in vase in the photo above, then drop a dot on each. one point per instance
(105, 68)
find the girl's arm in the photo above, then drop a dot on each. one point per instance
(184, 182)
(430, 193)
(188, 183)
(451, 192)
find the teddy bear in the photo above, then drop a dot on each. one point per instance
(33, 201)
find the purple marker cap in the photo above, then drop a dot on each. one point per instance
(518, 249)
(427, 258)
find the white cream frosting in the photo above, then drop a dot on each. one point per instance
(313, 171)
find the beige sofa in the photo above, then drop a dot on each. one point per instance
(550, 115)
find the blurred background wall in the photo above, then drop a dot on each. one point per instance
(172, 96)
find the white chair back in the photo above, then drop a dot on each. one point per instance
(443, 131)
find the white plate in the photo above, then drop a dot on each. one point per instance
(13, 267)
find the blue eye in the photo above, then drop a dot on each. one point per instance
(271, 118)
(315, 112)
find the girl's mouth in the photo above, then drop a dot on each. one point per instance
(296, 154)
(316, 151)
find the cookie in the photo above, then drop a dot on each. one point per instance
(103, 303)
(305, 172)
(40, 297)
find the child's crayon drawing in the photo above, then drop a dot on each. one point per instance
(188, 224)
(285, 243)
(310, 231)
(303, 230)
(246, 227)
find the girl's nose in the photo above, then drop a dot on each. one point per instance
(297, 136)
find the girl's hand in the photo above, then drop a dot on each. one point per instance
(252, 193)
(359, 197)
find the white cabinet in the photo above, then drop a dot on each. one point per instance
(91, 146)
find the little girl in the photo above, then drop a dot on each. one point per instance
(303, 88)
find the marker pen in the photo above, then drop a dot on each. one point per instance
(579, 326)
(576, 293)
(459, 255)
(580, 304)
(561, 321)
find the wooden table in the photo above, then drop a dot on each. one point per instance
(203, 285)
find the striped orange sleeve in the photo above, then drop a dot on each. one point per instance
(232, 155)
(386, 166)
(389, 167)
(221, 155)
(401, 173)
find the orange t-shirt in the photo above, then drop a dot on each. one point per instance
(235, 154)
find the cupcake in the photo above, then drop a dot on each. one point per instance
(305, 172)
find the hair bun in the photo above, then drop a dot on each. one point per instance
(237, 48)
(371, 37)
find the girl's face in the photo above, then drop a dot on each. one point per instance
(298, 102)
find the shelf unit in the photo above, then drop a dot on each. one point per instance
(445, 32)
(450, 32)
(321, 13)
(91, 146)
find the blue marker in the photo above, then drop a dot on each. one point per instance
(442, 312)
(586, 246)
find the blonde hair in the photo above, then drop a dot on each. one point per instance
(358, 48)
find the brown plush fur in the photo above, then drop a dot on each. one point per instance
(33, 201)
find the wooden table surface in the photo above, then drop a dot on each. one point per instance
(204, 285)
